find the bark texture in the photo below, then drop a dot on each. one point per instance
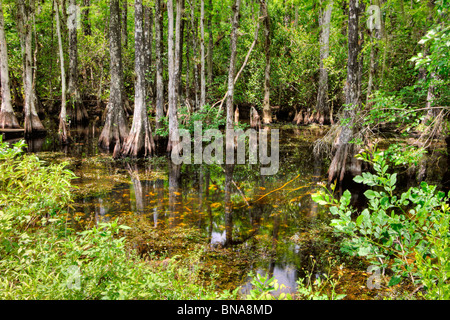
(343, 160)
(174, 136)
(267, 112)
(159, 114)
(63, 131)
(115, 129)
(32, 123)
(7, 116)
(77, 111)
(140, 140)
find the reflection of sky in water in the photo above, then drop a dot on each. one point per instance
(217, 237)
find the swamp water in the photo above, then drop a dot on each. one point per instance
(270, 225)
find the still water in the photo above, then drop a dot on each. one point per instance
(268, 223)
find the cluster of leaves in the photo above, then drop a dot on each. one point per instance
(394, 229)
(263, 286)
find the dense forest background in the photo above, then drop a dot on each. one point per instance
(374, 62)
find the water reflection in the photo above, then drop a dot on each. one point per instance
(231, 205)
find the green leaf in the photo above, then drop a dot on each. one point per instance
(394, 281)
(358, 179)
(318, 198)
(370, 194)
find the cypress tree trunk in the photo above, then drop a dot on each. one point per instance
(148, 41)
(178, 48)
(174, 137)
(7, 116)
(32, 123)
(267, 112)
(202, 55)
(77, 112)
(63, 133)
(322, 94)
(232, 67)
(159, 114)
(140, 140)
(343, 160)
(210, 48)
(115, 129)
(124, 27)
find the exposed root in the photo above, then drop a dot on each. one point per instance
(33, 125)
(8, 120)
(63, 132)
(139, 142)
(255, 120)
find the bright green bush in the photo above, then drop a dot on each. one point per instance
(395, 231)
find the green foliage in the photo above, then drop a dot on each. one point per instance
(394, 228)
(52, 261)
(263, 286)
(30, 190)
(435, 272)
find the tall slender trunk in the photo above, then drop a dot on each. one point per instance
(7, 116)
(343, 160)
(232, 67)
(63, 133)
(140, 140)
(202, 55)
(159, 114)
(32, 123)
(148, 41)
(124, 21)
(322, 93)
(77, 112)
(267, 112)
(361, 10)
(210, 48)
(178, 47)
(174, 137)
(115, 129)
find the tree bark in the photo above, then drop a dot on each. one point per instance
(159, 23)
(140, 139)
(267, 112)
(115, 129)
(178, 47)
(232, 68)
(124, 27)
(210, 48)
(7, 117)
(63, 132)
(32, 123)
(343, 160)
(202, 55)
(322, 94)
(174, 137)
(77, 112)
(148, 41)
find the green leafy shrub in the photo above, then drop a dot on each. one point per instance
(394, 229)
